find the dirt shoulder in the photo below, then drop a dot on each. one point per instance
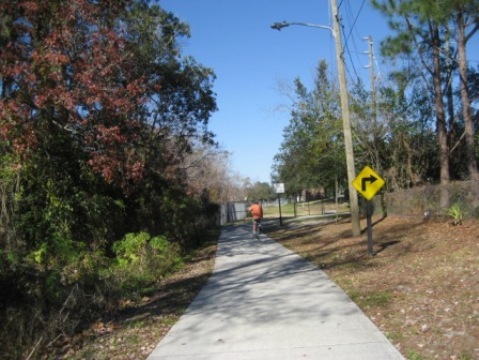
(421, 288)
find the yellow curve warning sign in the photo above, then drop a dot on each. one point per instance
(368, 183)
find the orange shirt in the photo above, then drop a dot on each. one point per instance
(256, 211)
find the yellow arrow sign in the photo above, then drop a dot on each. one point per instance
(368, 183)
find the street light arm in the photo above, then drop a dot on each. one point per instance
(279, 25)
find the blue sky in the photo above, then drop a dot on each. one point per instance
(253, 63)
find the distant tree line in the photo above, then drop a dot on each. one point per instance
(418, 127)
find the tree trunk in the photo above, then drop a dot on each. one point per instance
(440, 121)
(466, 105)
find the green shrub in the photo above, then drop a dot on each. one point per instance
(142, 260)
(456, 212)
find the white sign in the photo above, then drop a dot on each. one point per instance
(279, 187)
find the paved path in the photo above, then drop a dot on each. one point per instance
(265, 302)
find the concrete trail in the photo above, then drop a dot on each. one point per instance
(265, 302)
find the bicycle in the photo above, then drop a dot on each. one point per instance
(256, 228)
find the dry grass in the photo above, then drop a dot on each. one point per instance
(422, 287)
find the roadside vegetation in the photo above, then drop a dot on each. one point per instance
(105, 158)
(135, 327)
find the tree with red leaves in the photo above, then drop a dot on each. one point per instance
(64, 67)
(97, 111)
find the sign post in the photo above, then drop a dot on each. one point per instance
(368, 183)
(369, 215)
(279, 187)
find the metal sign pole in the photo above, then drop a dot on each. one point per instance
(279, 190)
(280, 218)
(369, 214)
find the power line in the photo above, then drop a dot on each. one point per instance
(347, 43)
(354, 22)
(356, 49)
(351, 62)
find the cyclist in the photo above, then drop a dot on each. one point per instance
(257, 213)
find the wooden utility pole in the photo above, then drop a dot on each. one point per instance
(348, 139)
(374, 116)
(372, 77)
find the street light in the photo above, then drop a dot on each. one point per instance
(348, 142)
(279, 25)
